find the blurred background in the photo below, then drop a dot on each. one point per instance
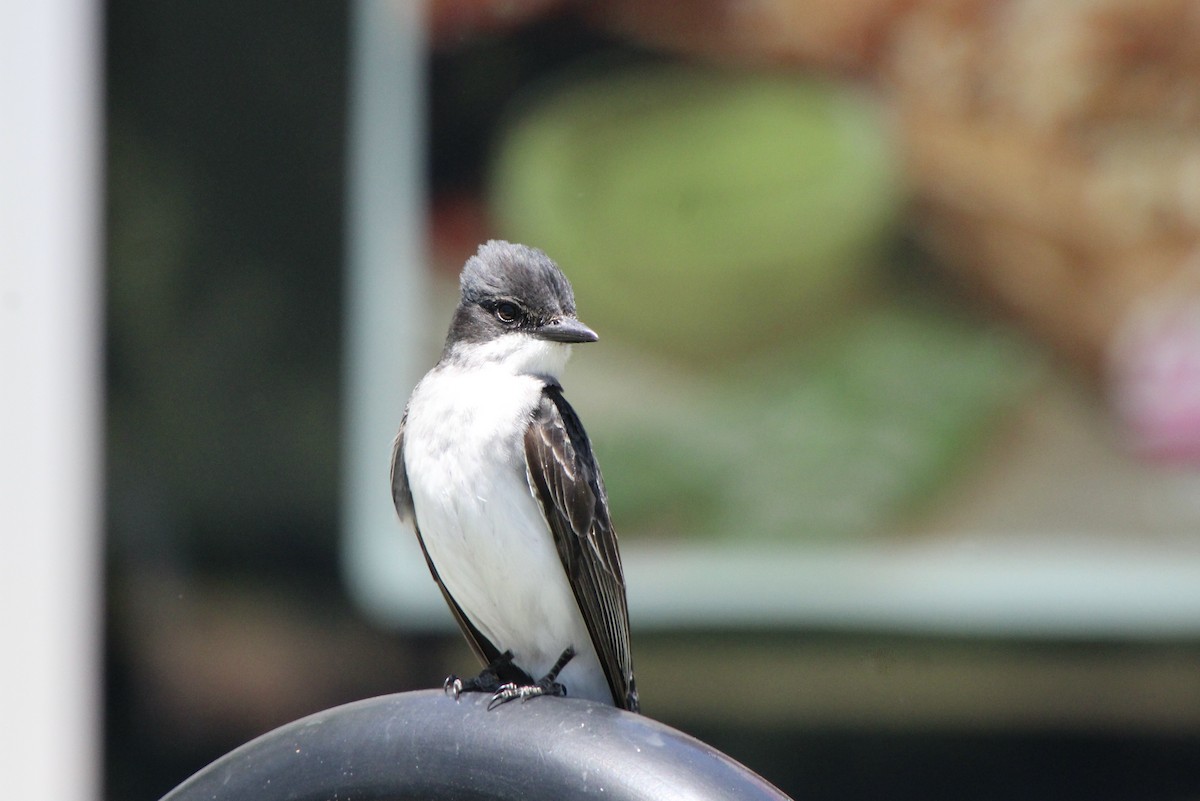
(897, 394)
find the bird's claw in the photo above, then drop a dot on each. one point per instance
(510, 692)
(488, 680)
(546, 685)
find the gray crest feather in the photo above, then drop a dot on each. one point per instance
(505, 269)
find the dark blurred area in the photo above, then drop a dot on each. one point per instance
(225, 140)
(226, 611)
(226, 135)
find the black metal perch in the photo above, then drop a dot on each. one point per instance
(426, 745)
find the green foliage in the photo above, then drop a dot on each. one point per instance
(698, 210)
(844, 438)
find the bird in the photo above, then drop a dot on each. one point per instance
(493, 468)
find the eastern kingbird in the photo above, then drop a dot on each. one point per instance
(497, 475)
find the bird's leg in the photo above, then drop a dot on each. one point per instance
(488, 680)
(546, 685)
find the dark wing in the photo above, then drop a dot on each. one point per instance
(566, 480)
(401, 494)
(403, 501)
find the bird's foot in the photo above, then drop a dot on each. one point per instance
(546, 685)
(488, 680)
(510, 692)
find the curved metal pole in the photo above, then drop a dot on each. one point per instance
(427, 745)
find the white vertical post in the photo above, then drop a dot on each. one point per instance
(50, 397)
(386, 295)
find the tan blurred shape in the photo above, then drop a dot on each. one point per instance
(1055, 149)
(844, 35)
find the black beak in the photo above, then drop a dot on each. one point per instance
(567, 329)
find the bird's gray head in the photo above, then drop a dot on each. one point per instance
(516, 308)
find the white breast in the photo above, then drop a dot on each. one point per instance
(482, 526)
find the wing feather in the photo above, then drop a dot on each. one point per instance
(401, 494)
(567, 482)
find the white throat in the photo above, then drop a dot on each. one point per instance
(516, 353)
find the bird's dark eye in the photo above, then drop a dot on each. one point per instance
(507, 312)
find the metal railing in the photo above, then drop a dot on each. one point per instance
(426, 745)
